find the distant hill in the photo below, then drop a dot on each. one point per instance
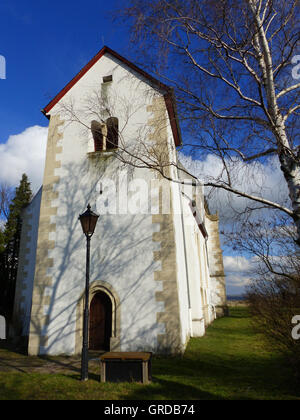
(235, 297)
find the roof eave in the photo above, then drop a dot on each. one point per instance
(169, 95)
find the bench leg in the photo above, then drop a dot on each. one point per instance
(103, 372)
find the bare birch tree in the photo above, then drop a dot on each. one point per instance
(231, 65)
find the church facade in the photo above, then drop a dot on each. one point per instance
(156, 273)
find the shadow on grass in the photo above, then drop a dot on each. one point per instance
(73, 364)
(238, 312)
(169, 390)
(230, 362)
(19, 348)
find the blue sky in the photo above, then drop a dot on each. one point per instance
(45, 44)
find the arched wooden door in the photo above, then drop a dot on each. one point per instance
(100, 322)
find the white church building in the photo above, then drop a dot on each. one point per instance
(156, 272)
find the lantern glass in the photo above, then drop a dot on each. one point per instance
(88, 221)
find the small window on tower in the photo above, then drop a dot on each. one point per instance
(112, 125)
(107, 79)
(96, 128)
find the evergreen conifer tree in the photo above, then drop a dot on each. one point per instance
(10, 241)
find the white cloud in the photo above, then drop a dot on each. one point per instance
(261, 179)
(237, 264)
(237, 281)
(24, 153)
(239, 271)
(257, 178)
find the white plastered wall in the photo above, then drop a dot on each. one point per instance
(122, 246)
(199, 281)
(26, 268)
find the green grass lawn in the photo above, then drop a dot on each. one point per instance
(230, 362)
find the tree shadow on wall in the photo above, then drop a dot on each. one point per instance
(118, 243)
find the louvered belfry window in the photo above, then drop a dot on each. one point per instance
(96, 128)
(112, 125)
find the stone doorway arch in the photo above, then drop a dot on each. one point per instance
(100, 322)
(97, 288)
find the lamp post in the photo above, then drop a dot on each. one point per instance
(88, 222)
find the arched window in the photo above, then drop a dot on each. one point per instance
(96, 128)
(112, 125)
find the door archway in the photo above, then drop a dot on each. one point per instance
(100, 322)
(106, 288)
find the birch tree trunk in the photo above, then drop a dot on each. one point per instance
(289, 162)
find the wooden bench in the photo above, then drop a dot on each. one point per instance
(126, 367)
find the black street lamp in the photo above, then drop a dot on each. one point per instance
(88, 222)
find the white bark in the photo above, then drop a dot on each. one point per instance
(289, 163)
